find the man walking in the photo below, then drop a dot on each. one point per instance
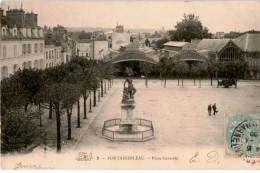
(214, 109)
(209, 109)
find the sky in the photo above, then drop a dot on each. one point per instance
(217, 16)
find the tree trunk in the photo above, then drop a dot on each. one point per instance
(40, 112)
(85, 106)
(99, 95)
(50, 111)
(161, 77)
(165, 82)
(69, 123)
(182, 81)
(95, 100)
(90, 106)
(26, 107)
(200, 82)
(146, 81)
(211, 81)
(236, 83)
(102, 88)
(78, 118)
(178, 81)
(107, 84)
(57, 108)
(105, 87)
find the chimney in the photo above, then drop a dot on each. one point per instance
(29, 32)
(4, 30)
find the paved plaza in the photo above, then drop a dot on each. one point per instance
(179, 115)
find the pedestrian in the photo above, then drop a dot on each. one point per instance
(214, 109)
(209, 109)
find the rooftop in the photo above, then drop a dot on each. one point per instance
(83, 40)
(212, 44)
(175, 43)
(249, 42)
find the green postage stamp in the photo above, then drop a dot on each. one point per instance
(242, 135)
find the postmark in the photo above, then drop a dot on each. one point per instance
(242, 135)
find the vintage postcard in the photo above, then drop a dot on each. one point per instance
(139, 85)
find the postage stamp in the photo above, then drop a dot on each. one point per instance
(242, 135)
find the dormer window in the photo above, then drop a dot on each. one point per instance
(15, 32)
(4, 32)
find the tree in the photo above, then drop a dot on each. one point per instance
(147, 43)
(54, 91)
(19, 130)
(212, 69)
(84, 35)
(164, 67)
(199, 69)
(146, 68)
(189, 28)
(160, 43)
(232, 69)
(71, 97)
(29, 82)
(181, 68)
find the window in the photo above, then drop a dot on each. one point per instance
(4, 72)
(15, 50)
(35, 47)
(29, 64)
(4, 51)
(24, 48)
(24, 65)
(15, 67)
(29, 48)
(46, 55)
(41, 47)
(4, 32)
(36, 64)
(46, 65)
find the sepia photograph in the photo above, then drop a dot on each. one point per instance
(130, 85)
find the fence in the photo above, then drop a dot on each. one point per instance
(140, 136)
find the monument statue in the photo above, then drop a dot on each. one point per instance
(129, 91)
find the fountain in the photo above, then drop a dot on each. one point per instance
(128, 128)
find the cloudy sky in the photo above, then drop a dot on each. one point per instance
(217, 16)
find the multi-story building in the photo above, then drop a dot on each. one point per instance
(22, 43)
(220, 35)
(53, 55)
(99, 47)
(83, 48)
(117, 37)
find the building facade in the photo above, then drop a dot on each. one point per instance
(117, 37)
(53, 55)
(21, 48)
(83, 48)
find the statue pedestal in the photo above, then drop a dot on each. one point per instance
(128, 124)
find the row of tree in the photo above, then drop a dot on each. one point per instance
(168, 67)
(58, 88)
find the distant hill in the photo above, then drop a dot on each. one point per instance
(91, 29)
